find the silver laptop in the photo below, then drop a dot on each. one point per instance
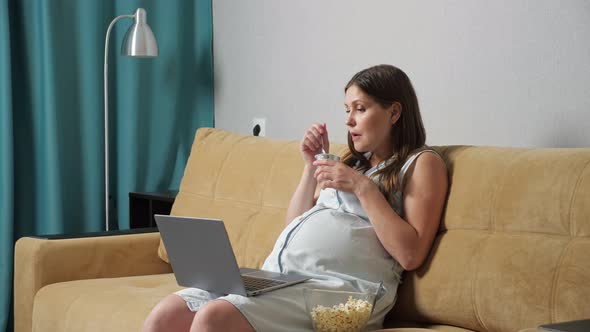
(202, 257)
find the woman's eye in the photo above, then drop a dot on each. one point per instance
(347, 111)
(360, 109)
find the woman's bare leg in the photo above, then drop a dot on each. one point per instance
(171, 314)
(220, 315)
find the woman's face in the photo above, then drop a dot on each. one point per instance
(369, 124)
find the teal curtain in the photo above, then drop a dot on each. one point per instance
(6, 172)
(51, 113)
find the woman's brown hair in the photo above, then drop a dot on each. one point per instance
(387, 85)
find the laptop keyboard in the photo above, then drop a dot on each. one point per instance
(253, 284)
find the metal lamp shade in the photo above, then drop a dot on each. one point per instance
(140, 40)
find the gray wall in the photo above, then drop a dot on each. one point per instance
(507, 73)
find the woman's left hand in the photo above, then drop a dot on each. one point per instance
(334, 174)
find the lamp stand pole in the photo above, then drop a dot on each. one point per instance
(106, 119)
(139, 42)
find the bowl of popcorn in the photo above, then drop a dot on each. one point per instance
(338, 311)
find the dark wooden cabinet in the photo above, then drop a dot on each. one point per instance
(143, 206)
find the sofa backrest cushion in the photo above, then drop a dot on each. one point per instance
(247, 182)
(514, 242)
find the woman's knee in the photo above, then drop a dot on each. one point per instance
(169, 314)
(219, 315)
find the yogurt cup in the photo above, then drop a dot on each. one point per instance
(326, 156)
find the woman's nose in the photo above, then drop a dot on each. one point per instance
(349, 120)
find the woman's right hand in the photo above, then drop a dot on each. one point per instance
(311, 144)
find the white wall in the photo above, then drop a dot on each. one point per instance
(508, 73)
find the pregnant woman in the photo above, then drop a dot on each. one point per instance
(376, 215)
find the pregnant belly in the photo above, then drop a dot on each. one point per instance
(336, 243)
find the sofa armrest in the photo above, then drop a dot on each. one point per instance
(41, 261)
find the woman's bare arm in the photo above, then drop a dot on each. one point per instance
(409, 240)
(303, 199)
(305, 195)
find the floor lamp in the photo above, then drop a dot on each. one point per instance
(139, 42)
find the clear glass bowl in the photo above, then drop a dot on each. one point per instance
(338, 311)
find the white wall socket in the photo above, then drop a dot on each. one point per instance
(262, 123)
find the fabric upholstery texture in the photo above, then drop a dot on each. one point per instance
(511, 252)
(116, 304)
(39, 263)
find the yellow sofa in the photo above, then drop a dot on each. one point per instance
(512, 251)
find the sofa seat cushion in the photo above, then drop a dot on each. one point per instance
(109, 304)
(122, 304)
